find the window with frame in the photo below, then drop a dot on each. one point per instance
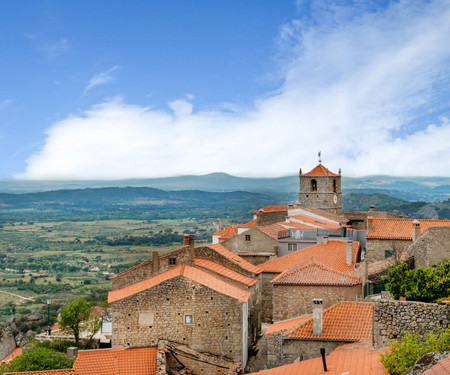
(172, 261)
(292, 247)
(247, 237)
(188, 319)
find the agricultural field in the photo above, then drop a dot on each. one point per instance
(62, 260)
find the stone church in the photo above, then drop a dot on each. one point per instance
(321, 188)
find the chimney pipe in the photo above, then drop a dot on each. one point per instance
(416, 230)
(349, 260)
(218, 225)
(371, 208)
(317, 316)
(72, 353)
(155, 262)
(186, 240)
(325, 239)
(324, 361)
(191, 241)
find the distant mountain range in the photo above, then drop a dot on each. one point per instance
(428, 189)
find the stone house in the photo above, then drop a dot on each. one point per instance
(185, 305)
(333, 254)
(387, 237)
(295, 288)
(343, 323)
(212, 262)
(358, 220)
(432, 247)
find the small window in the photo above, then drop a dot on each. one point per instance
(247, 237)
(172, 261)
(388, 253)
(188, 319)
(313, 185)
(334, 186)
(292, 247)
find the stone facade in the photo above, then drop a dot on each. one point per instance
(268, 218)
(252, 243)
(376, 248)
(290, 301)
(159, 313)
(267, 296)
(292, 349)
(321, 191)
(431, 247)
(394, 319)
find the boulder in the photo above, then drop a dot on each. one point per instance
(426, 362)
(34, 316)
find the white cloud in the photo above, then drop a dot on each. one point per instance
(101, 79)
(360, 86)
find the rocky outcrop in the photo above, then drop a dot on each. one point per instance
(426, 362)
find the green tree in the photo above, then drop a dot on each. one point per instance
(38, 359)
(74, 314)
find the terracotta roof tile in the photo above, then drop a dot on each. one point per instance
(285, 325)
(275, 231)
(313, 272)
(44, 372)
(235, 258)
(191, 273)
(271, 209)
(332, 254)
(135, 361)
(442, 368)
(329, 215)
(250, 224)
(224, 271)
(345, 321)
(320, 170)
(295, 224)
(364, 361)
(317, 223)
(17, 352)
(227, 232)
(400, 229)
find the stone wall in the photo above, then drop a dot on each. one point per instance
(267, 296)
(375, 248)
(267, 218)
(321, 198)
(293, 348)
(394, 319)
(159, 313)
(259, 243)
(290, 301)
(257, 259)
(431, 247)
(183, 255)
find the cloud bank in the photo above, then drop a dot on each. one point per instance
(367, 86)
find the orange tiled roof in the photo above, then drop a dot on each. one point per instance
(222, 250)
(333, 254)
(295, 224)
(329, 215)
(400, 229)
(44, 372)
(191, 273)
(250, 224)
(227, 232)
(313, 272)
(320, 170)
(442, 368)
(17, 352)
(316, 222)
(343, 360)
(345, 321)
(224, 271)
(285, 325)
(271, 209)
(275, 231)
(135, 361)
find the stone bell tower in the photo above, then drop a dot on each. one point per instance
(321, 188)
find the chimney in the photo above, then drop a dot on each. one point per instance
(369, 223)
(72, 353)
(349, 259)
(416, 230)
(371, 208)
(325, 239)
(364, 271)
(218, 225)
(155, 263)
(317, 316)
(191, 242)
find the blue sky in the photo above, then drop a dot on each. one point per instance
(108, 90)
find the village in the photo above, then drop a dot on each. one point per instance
(296, 290)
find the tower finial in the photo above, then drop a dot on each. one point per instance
(320, 159)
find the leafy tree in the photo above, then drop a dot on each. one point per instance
(74, 314)
(38, 359)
